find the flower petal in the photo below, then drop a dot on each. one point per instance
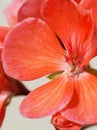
(91, 5)
(78, 1)
(3, 101)
(31, 50)
(61, 123)
(2, 115)
(73, 25)
(85, 110)
(30, 8)
(12, 10)
(3, 33)
(48, 99)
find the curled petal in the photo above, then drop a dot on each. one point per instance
(48, 99)
(61, 123)
(85, 110)
(31, 50)
(74, 27)
(30, 8)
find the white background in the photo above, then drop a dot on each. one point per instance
(13, 119)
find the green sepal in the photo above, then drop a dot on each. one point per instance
(54, 75)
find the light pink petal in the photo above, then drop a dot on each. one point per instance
(12, 10)
(48, 99)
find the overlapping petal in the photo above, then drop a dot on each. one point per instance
(48, 99)
(74, 27)
(31, 8)
(61, 123)
(31, 50)
(84, 111)
(91, 5)
(12, 10)
(3, 33)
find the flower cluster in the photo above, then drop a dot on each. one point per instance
(56, 39)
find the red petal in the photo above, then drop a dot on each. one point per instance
(3, 99)
(61, 123)
(91, 5)
(31, 50)
(78, 1)
(85, 110)
(48, 99)
(30, 8)
(12, 10)
(3, 33)
(2, 114)
(73, 25)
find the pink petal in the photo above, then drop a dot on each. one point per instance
(30, 8)
(48, 99)
(84, 111)
(12, 10)
(31, 50)
(74, 27)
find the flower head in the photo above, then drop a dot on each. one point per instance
(61, 41)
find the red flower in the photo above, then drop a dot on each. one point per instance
(34, 49)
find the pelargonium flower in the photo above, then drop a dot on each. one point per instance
(61, 45)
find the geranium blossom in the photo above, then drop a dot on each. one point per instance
(63, 43)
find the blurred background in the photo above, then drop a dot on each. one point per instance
(13, 119)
